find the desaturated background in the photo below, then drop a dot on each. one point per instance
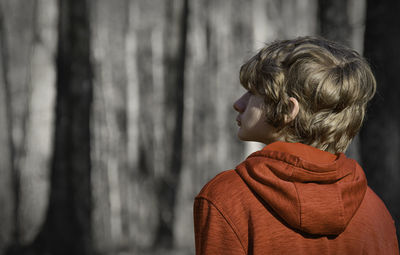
(114, 113)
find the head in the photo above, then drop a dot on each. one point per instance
(311, 91)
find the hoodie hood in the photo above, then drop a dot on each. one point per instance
(313, 191)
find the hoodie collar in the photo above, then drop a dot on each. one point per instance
(302, 151)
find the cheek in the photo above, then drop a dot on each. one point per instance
(254, 117)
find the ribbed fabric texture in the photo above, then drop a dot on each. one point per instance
(291, 198)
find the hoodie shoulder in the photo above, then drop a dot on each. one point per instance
(226, 184)
(237, 203)
(230, 195)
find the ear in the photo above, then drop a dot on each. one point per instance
(294, 110)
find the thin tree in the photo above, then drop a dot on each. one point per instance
(168, 186)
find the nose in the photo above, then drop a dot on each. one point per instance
(241, 104)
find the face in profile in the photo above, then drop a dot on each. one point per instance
(251, 119)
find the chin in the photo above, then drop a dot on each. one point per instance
(241, 136)
(248, 138)
(245, 138)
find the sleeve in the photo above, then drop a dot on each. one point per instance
(213, 234)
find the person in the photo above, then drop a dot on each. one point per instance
(306, 99)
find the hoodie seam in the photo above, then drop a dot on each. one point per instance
(296, 164)
(299, 203)
(226, 218)
(298, 196)
(341, 207)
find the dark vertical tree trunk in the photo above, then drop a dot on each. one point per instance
(334, 22)
(67, 227)
(381, 133)
(9, 123)
(8, 198)
(168, 187)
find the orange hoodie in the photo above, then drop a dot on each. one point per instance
(291, 198)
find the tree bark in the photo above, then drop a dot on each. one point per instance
(67, 227)
(7, 225)
(380, 134)
(334, 20)
(28, 42)
(34, 177)
(110, 175)
(17, 55)
(168, 183)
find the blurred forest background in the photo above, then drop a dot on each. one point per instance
(114, 114)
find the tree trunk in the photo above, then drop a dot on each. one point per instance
(175, 77)
(67, 227)
(110, 175)
(380, 134)
(28, 42)
(34, 176)
(16, 58)
(334, 20)
(7, 220)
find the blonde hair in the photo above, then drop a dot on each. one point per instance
(331, 82)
